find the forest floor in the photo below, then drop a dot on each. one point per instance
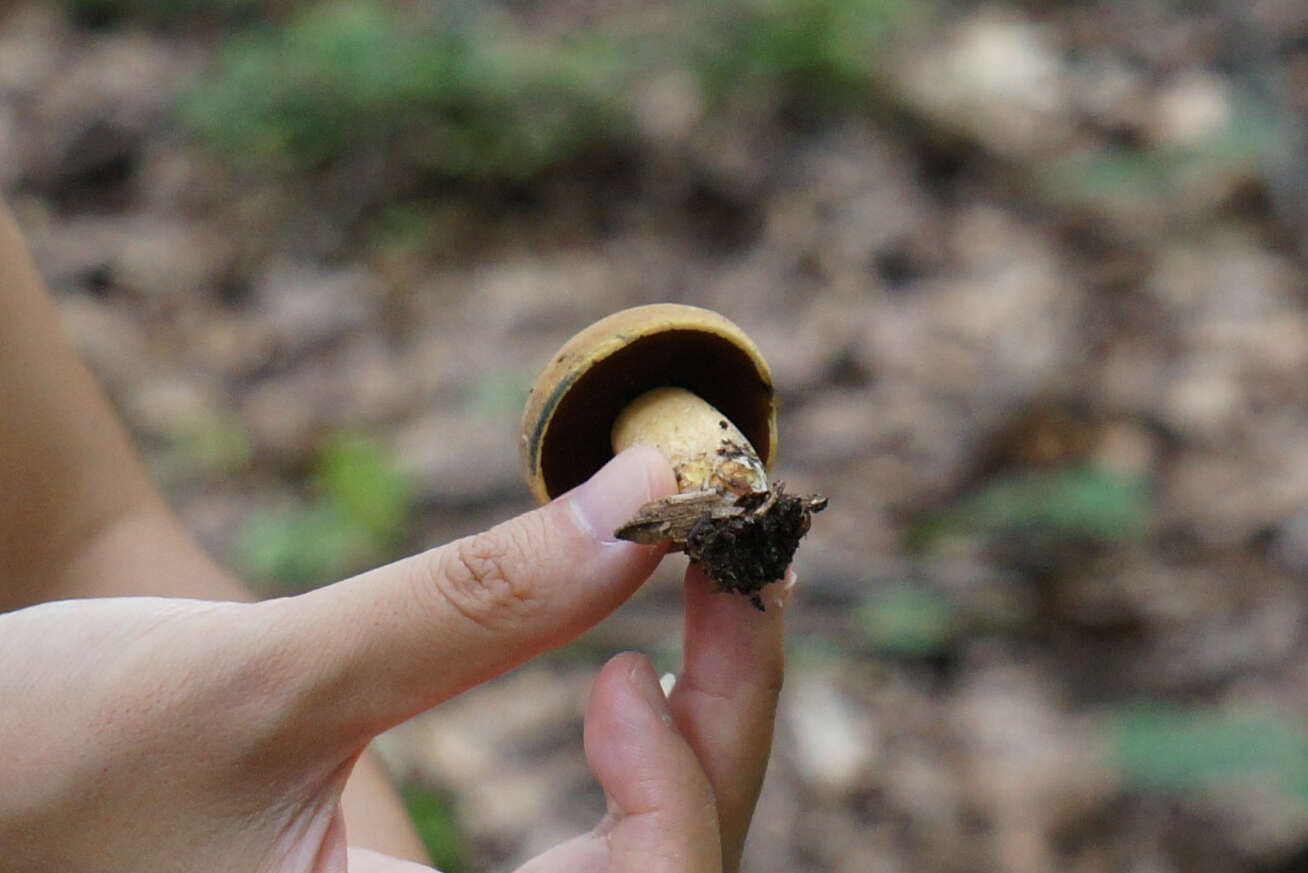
(1033, 294)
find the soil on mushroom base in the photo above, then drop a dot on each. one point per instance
(742, 553)
(742, 542)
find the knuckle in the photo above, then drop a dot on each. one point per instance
(481, 578)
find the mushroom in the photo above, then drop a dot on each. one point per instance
(691, 384)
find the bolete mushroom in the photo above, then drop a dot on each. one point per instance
(691, 384)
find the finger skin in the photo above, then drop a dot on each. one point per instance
(369, 861)
(375, 815)
(365, 654)
(725, 699)
(662, 816)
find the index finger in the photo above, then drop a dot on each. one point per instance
(369, 652)
(725, 699)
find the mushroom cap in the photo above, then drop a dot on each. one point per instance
(569, 416)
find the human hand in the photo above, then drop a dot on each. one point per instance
(164, 734)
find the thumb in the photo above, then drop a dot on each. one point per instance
(662, 815)
(369, 652)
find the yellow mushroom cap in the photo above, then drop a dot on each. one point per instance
(570, 412)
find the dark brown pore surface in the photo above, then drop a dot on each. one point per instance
(577, 439)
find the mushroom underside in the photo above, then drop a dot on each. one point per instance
(574, 440)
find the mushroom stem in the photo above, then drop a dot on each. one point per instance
(706, 451)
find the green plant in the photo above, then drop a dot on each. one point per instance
(461, 92)
(1063, 504)
(908, 620)
(206, 443)
(404, 228)
(1110, 173)
(357, 478)
(1071, 501)
(436, 825)
(1184, 749)
(359, 515)
(827, 49)
(452, 94)
(1249, 141)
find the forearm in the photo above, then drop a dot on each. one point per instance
(67, 471)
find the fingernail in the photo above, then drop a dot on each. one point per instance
(645, 683)
(609, 498)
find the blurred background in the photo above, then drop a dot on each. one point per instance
(1030, 276)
